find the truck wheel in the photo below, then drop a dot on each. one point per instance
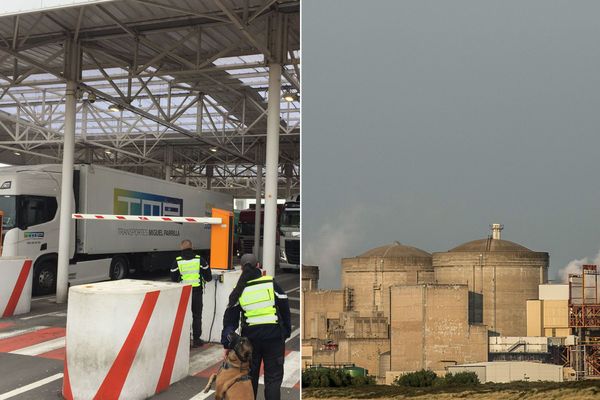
(44, 278)
(119, 268)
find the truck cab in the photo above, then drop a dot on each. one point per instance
(246, 230)
(289, 231)
(29, 199)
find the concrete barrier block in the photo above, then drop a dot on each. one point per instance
(15, 286)
(126, 339)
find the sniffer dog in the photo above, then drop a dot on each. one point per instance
(233, 378)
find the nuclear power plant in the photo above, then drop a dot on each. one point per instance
(402, 309)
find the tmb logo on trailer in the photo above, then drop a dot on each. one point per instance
(128, 202)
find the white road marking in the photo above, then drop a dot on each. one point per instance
(293, 290)
(294, 311)
(202, 395)
(50, 314)
(6, 335)
(291, 375)
(206, 359)
(44, 298)
(294, 333)
(293, 298)
(31, 386)
(41, 348)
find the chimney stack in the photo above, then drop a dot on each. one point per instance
(496, 231)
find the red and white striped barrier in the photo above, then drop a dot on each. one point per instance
(126, 339)
(15, 286)
(148, 218)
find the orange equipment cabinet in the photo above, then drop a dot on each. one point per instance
(221, 240)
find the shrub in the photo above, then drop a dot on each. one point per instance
(422, 378)
(362, 380)
(328, 377)
(325, 377)
(461, 379)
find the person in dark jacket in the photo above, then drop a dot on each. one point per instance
(192, 269)
(266, 321)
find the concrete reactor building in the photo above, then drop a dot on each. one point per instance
(401, 309)
(368, 277)
(501, 276)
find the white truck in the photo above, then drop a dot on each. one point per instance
(289, 236)
(100, 250)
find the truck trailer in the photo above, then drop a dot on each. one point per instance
(99, 250)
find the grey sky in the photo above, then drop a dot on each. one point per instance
(425, 121)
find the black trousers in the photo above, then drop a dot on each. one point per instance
(196, 312)
(272, 354)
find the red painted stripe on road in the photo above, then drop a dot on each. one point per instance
(31, 338)
(4, 325)
(58, 354)
(115, 379)
(167, 370)
(66, 389)
(18, 289)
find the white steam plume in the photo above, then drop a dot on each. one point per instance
(574, 267)
(334, 239)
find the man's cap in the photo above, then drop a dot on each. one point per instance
(249, 259)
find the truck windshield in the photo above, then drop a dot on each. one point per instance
(8, 207)
(246, 228)
(290, 219)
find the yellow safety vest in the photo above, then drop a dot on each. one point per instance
(190, 271)
(258, 302)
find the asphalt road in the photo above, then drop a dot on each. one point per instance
(32, 352)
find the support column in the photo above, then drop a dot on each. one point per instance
(66, 195)
(271, 166)
(257, 219)
(66, 239)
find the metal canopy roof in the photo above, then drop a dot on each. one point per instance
(187, 80)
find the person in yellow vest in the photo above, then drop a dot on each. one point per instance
(266, 321)
(192, 269)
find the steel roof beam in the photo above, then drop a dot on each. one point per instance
(243, 28)
(164, 122)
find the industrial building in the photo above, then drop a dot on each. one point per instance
(584, 320)
(402, 309)
(503, 372)
(549, 315)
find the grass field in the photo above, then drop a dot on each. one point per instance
(583, 390)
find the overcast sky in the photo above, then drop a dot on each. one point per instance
(426, 121)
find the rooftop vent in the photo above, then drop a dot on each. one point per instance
(496, 231)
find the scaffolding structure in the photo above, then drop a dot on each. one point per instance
(584, 320)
